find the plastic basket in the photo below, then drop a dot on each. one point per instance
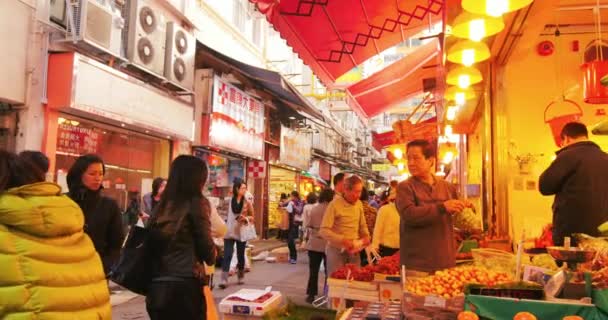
(495, 260)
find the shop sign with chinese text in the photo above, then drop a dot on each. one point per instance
(296, 148)
(237, 122)
(77, 139)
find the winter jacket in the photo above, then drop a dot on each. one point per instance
(49, 266)
(103, 223)
(426, 224)
(578, 177)
(182, 249)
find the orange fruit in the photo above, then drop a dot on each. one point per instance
(467, 315)
(573, 318)
(524, 316)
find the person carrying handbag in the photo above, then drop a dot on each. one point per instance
(180, 232)
(240, 225)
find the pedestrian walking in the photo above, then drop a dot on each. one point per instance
(385, 239)
(295, 209)
(102, 216)
(50, 269)
(315, 244)
(240, 213)
(180, 232)
(151, 199)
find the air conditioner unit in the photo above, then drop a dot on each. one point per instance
(146, 40)
(57, 12)
(179, 56)
(95, 22)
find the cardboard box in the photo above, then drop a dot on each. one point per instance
(431, 307)
(245, 310)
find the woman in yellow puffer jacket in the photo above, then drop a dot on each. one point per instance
(49, 267)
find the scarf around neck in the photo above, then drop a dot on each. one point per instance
(237, 207)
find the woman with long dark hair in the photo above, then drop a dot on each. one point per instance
(102, 216)
(152, 199)
(240, 213)
(180, 235)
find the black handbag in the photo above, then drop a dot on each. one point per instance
(138, 261)
(133, 270)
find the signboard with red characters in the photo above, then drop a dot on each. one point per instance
(256, 169)
(77, 139)
(237, 122)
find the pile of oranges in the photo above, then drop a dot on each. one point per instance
(468, 315)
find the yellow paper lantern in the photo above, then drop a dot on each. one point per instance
(494, 8)
(476, 26)
(459, 95)
(468, 52)
(464, 77)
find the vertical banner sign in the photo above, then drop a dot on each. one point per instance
(296, 148)
(237, 122)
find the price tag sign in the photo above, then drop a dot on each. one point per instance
(434, 301)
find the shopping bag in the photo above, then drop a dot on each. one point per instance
(248, 232)
(133, 270)
(211, 308)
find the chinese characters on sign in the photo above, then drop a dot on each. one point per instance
(296, 148)
(77, 140)
(237, 122)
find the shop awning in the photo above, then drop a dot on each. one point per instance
(269, 81)
(333, 37)
(396, 83)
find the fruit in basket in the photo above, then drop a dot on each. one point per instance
(467, 220)
(524, 316)
(467, 315)
(450, 283)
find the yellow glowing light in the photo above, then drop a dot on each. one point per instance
(468, 52)
(460, 98)
(449, 157)
(398, 153)
(464, 77)
(476, 26)
(448, 130)
(400, 166)
(477, 30)
(451, 113)
(464, 81)
(61, 120)
(468, 57)
(494, 8)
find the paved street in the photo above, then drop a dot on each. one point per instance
(289, 279)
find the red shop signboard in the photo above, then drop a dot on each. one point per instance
(77, 139)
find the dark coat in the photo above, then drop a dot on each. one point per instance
(578, 177)
(181, 234)
(103, 223)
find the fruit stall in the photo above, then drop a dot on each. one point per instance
(539, 283)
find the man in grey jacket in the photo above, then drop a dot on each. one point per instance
(578, 177)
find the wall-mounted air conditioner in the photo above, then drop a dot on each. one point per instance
(179, 56)
(94, 22)
(146, 36)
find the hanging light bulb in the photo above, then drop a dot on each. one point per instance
(476, 26)
(400, 166)
(398, 153)
(464, 77)
(448, 130)
(468, 52)
(451, 113)
(494, 8)
(459, 95)
(448, 158)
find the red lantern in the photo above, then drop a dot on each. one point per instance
(557, 123)
(595, 68)
(545, 48)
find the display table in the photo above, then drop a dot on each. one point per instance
(506, 308)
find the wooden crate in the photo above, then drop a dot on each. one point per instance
(355, 290)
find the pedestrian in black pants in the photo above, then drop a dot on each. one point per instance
(315, 244)
(295, 208)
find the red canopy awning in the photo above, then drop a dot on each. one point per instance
(395, 83)
(335, 36)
